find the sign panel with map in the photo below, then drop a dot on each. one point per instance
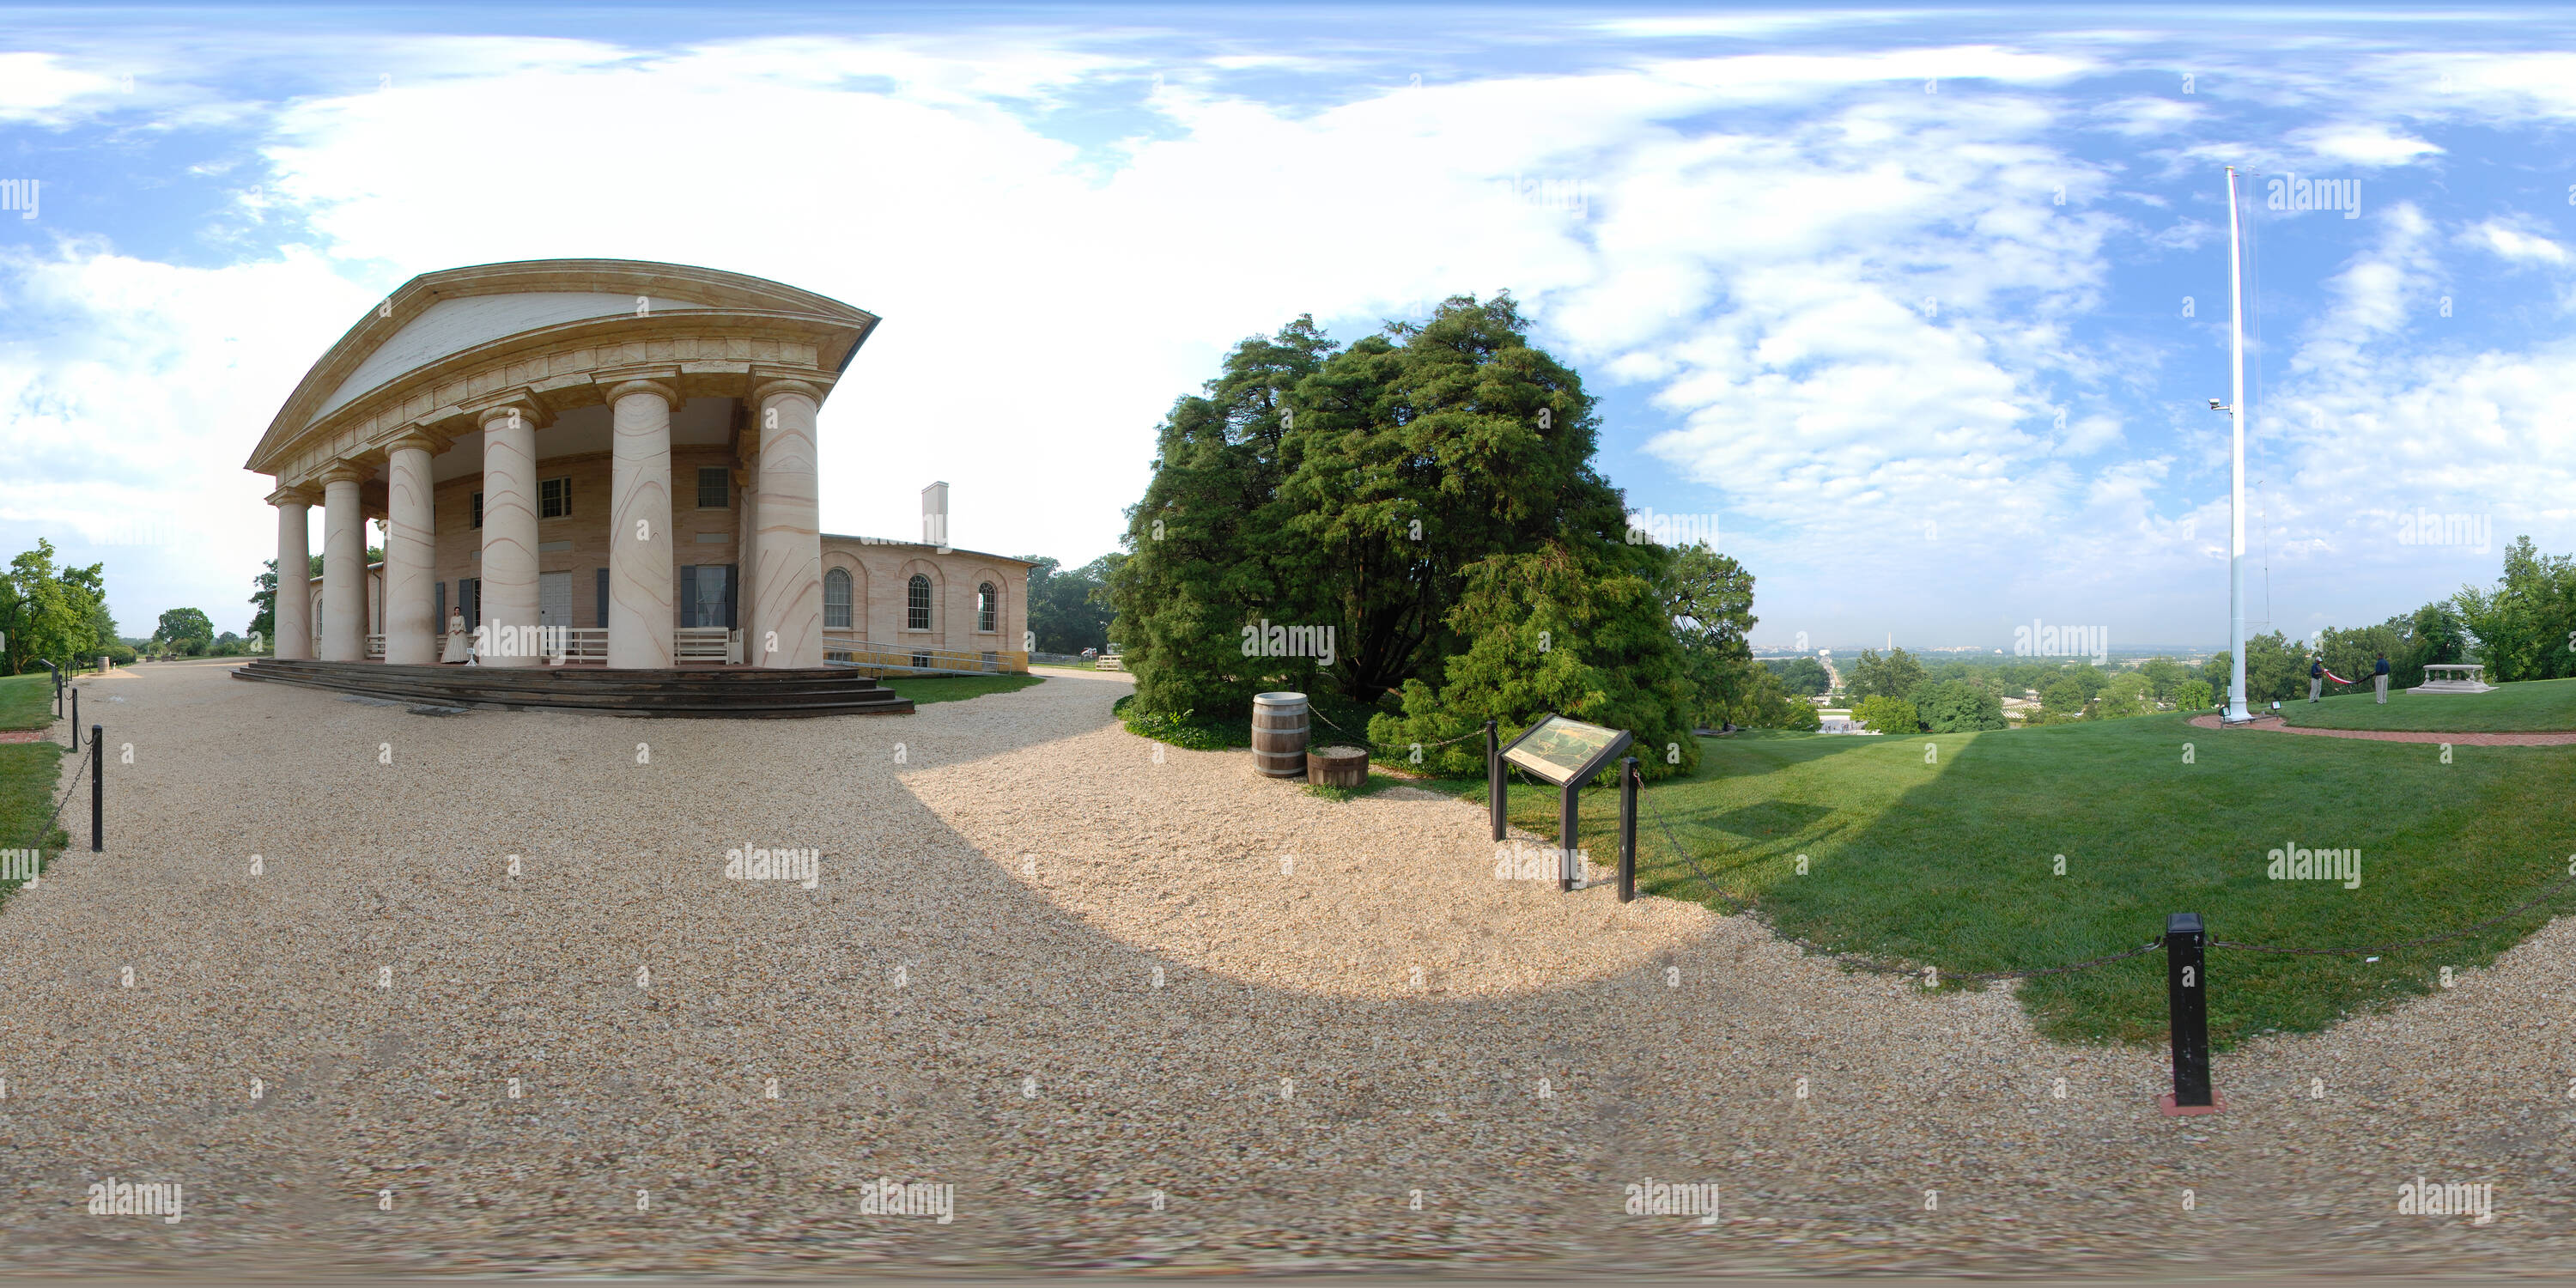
(1566, 751)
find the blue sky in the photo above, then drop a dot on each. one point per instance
(1896, 299)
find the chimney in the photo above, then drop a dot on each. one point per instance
(934, 516)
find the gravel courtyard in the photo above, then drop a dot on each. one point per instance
(969, 997)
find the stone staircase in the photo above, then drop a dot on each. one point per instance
(739, 694)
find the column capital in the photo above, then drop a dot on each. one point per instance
(517, 402)
(345, 472)
(768, 385)
(666, 386)
(421, 438)
(288, 494)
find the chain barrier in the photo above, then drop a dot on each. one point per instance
(38, 842)
(1389, 746)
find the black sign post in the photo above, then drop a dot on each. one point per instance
(2187, 1011)
(1628, 781)
(1494, 779)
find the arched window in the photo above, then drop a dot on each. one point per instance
(916, 604)
(836, 600)
(988, 604)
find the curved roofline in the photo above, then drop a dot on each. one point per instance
(720, 291)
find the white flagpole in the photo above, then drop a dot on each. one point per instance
(2236, 416)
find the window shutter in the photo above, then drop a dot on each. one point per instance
(441, 618)
(733, 587)
(603, 598)
(688, 593)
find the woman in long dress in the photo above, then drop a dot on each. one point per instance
(457, 638)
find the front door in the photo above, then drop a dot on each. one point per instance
(554, 599)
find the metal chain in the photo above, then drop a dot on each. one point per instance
(2472, 928)
(38, 842)
(1390, 746)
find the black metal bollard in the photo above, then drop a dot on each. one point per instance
(1628, 829)
(75, 717)
(97, 794)
(2187, 1010)
(1494, 778)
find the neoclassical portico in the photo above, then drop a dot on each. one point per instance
(622, 452)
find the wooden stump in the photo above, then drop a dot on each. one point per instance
(1337, 766)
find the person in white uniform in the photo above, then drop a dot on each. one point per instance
(458, 642)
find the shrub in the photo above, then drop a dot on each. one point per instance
(1884, 714)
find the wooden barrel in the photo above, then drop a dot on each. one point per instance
(1279, 734)
(1337, 766)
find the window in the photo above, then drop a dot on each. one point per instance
(916, 604)
(478, 509)
(987, 603)
(554, 498)
(836, 600)
(715, 487)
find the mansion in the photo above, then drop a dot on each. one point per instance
(605, 463)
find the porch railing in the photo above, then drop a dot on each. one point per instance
(706, 644)
(845, 648)
(375, 648)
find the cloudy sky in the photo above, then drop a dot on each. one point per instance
(1921, 309)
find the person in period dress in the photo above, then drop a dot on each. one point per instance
(459, 643)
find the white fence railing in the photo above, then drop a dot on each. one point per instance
(375, 648)
(844, 648)
(583, 644)
(706, 644)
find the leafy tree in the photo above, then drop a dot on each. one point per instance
(184, 631)
(1710, 599)
(1885, 714)
(1429, 493)
(2062, 697)
(2525, 623)
(2123, 695)
(264, 598)
(2163, 676)
(2274, 670)
(53, 615)
(1068, 611)
(1804, 676)
(1955, 706)
(1894, 675)
(2194, 695)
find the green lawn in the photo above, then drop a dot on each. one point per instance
(1953, 863)
(2528, 706)
(26, 701)
(27, 774)
(925, 689)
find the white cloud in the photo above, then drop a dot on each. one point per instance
(2514, 244)
(2370, 145)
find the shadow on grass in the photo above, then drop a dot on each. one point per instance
(1956, 862)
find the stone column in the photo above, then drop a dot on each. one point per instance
(293, 621)
(640, 568)
(510, 537)
(344, 566)
(746, 540)
(790, 557)
(411, 532)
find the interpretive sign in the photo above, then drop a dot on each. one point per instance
(1566, 751)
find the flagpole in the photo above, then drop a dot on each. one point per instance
(2236, 417)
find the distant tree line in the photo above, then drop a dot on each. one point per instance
(53, 615)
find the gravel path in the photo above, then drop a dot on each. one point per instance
(2277, 725)
(969, 998)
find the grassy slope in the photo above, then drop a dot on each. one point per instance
(1952, 863)
(923, 689)
(2529, 706)
(26, 701)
